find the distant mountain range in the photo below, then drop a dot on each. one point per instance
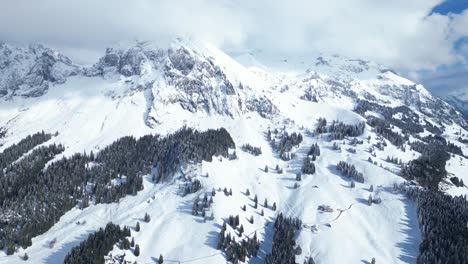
(459, 100)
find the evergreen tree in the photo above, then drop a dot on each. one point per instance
(147, 218)
(137, 227)
(265, 204)
(308, 166)
(274, 206)
(10, 250)
(195, 207)
(126, 244)
(136, 251)
(161, 259)
(266, 168)
(298, 177)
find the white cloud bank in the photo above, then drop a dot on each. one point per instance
(398, 33)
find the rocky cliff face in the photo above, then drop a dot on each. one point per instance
(181, 75)
(29, 71)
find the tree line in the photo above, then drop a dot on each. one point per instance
(17, 150)
(443, 223)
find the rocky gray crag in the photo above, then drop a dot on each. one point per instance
(28, 71)
(181, 75)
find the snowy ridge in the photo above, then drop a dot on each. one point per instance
(144, 89)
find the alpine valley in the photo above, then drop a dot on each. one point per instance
(185, 154)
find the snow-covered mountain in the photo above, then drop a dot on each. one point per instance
(29, 71)
(459, 100)
(144, 89)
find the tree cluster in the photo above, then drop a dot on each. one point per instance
(284, 246)
(314, 150)
(286, 143)
(429, 168)
(256, 151)
(308, 166)
(457, 181)
(350, 171)
(393, 160)
(98, 244)
(201, 206)
(382, 127)
(339, 130)
(400, 116)
(237, 251)
(17, 150)
(192, 186)
(438, 140)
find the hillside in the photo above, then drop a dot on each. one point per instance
(383, 124)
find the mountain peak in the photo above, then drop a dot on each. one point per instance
(28, 71)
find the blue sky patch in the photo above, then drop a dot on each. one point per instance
(451, 6)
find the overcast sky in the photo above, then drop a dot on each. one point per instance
(425, 40)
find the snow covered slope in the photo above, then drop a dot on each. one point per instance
(145, 89)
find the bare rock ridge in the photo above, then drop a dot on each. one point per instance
(29, 71)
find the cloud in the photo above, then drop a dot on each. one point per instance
(402, 34)
(91, 22)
